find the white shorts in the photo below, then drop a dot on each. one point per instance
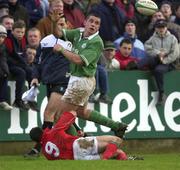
(90, 153)
(79, 89)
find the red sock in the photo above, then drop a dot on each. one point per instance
(110, 151)
(121, 156)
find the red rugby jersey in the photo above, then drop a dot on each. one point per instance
(56, 143)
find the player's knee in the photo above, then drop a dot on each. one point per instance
(117, 140)
(50, 109)
(56, 117)
(83, 113)
(73, 113)
(48, 116)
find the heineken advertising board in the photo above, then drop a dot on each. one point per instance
(134, 96)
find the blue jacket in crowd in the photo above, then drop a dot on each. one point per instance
(138, 50)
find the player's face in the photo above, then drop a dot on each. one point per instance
(126, 49)
(92, 25)
(61, 23)
(18, 33)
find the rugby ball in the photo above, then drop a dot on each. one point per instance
(146, 7)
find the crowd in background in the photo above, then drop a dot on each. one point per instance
(129, 40)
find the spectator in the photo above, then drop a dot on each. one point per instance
(172, 27)
(45, 25)
(7, 21)
(4, 8)
(166, 9)
(45, 7)
(33, 40)
(18, 11)
(123, 55)
(73, 14)
(43, 3)
(177, 12)
(163, 50)
(29, 56)
(127, 7)
(109, 56)
(4, 71)
(130, 33)
(112, 20)
(35, 12)
(15, 44)
(33, 37)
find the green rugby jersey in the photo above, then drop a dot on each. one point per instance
(89, 49)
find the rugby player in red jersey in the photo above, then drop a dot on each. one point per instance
(58, 144)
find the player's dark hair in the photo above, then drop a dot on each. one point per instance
(36, 134)
(96, 14)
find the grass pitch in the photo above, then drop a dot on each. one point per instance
(150, 162)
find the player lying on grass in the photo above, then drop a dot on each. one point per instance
(58, 144)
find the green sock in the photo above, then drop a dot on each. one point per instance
(97, 117)
(72, 131)
(76, 126)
